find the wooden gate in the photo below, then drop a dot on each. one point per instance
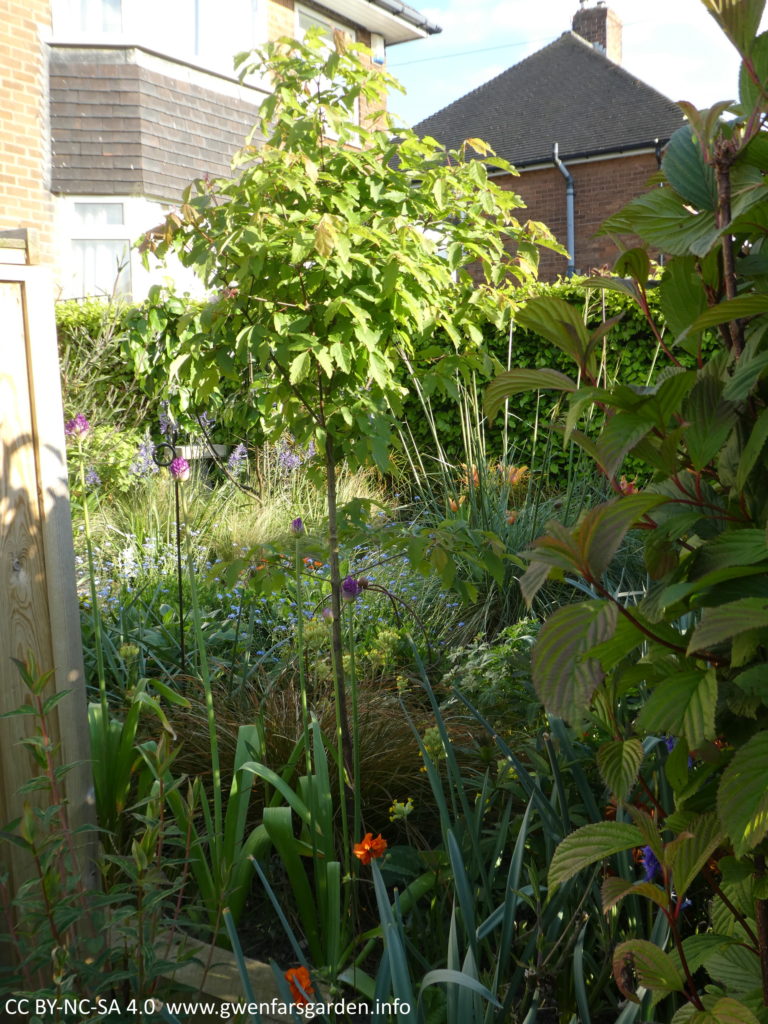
(38, 601)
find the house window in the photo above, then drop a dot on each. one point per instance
(100, 256)
(305, 20)
(100, 15)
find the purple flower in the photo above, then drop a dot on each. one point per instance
(237, 459)
(350, 588)
(297, 527)
(144, 463)
(289, 460)
(92, 478)
(167, 423)
(651, 864)
(77, 427)
(327, 613)
(179, 468)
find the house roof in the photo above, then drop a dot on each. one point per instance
(569, 93)
(396, 21)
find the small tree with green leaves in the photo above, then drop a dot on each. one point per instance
(335, 257)
(685, 668)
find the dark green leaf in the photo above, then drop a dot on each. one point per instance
(742, 797)
(721, 623)
(619, 764)
(564, 679)
(588, 845)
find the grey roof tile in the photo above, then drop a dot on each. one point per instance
(569, 93)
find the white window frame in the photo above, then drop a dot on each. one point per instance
(333, 25)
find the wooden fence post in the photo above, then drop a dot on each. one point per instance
(38, 601)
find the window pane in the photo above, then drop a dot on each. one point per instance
(101, 15)
(101, 266)
(99, 213)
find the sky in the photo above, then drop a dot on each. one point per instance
(673, 45)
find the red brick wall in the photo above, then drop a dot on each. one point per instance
(25, 201)
(281, 21)
(601, 188)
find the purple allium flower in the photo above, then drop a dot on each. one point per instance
(297, 527)
(92, 478)
(237, 459)
(179, 468)
(350, 588)
(651, 864)
(77, 427)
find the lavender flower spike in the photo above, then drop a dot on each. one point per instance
(179, 469)
(77, 427)
(297, 527)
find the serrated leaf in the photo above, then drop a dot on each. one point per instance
(653, 968)
(512, 382)
(736, 968)
(619, 764)
(739, 19)
(731, 309)
(683, 705)
(717, 1011)
(681, 294)
(742, 797)
(710, 420)
(752, 449)
(619, 436)
(604, 527)
(564, 679)
(699, 948)
(325, 236)
(660, 217)
(614, 890)
(559, 322)
(588, 845)
(300, 367)
(688, 174)
(726, 621)
(688, 857)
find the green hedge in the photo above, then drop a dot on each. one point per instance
(630, 352)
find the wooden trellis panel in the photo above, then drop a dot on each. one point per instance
(38, 601)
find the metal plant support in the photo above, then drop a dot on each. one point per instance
(163, 455)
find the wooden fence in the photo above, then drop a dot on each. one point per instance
(38, 602)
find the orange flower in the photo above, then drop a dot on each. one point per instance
(517, 475)
(511, 517)
(369, 849)
(299, 976)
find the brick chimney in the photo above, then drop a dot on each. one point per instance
(600, 26)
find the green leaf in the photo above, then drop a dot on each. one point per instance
(710, 420)
(728, 620)
(300, 367)
(686, 171)
(752, 449)
(559, 322)
(604, 527)
(614, 890)
(739, 19)
(699, 948)
(653, 968)
(512, 382)
(716, 1011)
(660, 218)
(688, 857)
(681, 294)
(588, 845)
(325, 236)
(731, 309)
(619, 436)
(619, 764)
(742, 797)
(737, 969)
(564, 679)
(683, 705)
